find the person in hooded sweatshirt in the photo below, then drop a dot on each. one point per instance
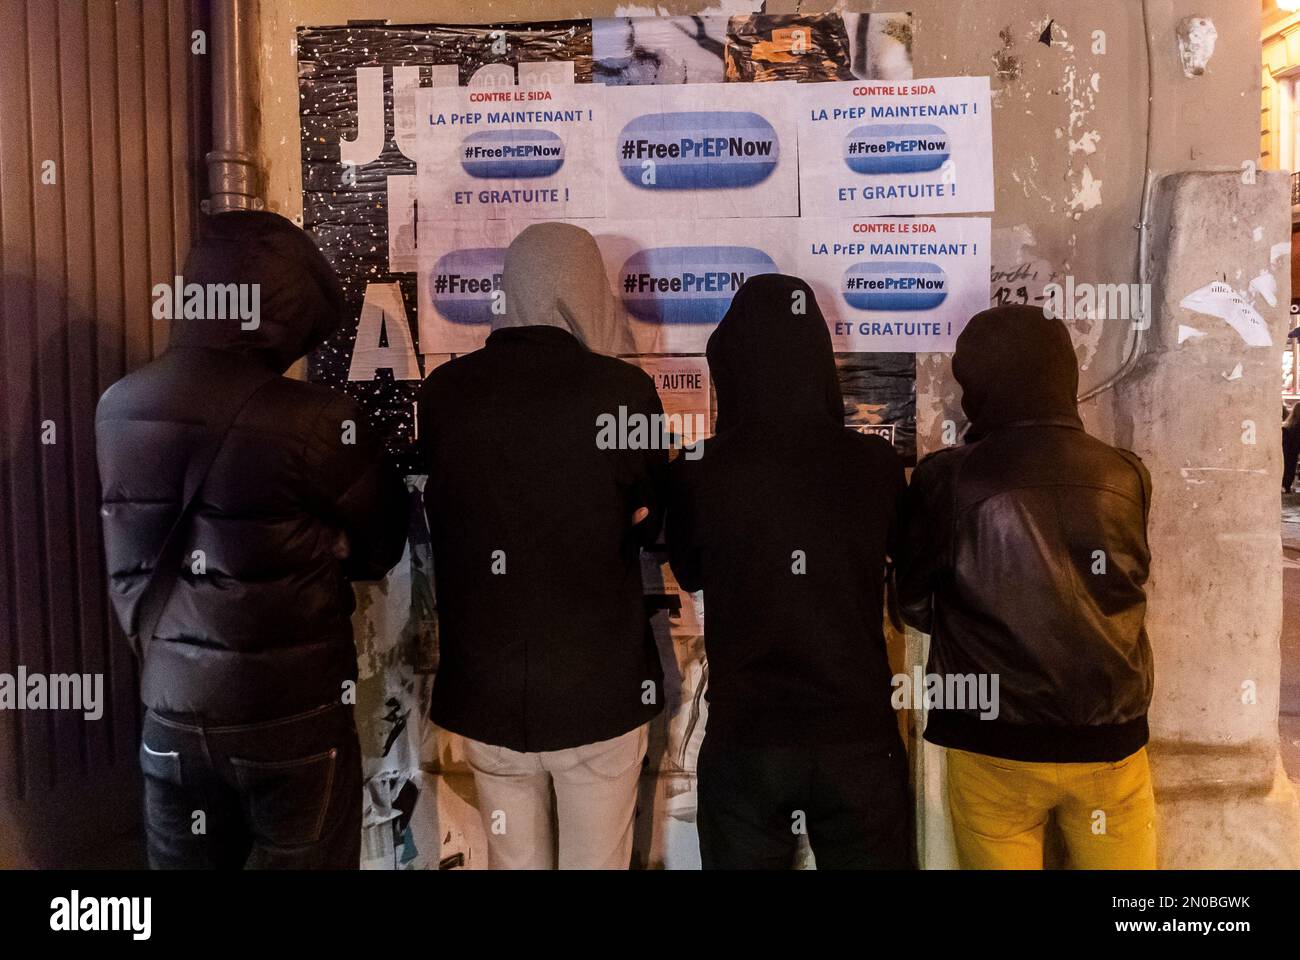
(1025, 557)
(1290, 445)
(548, 665)
(784, 519)
(246, 676)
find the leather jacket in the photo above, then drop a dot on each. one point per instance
(1024, 555)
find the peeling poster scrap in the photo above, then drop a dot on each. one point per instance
(1219, 300)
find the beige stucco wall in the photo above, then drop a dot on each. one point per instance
(1280, 40)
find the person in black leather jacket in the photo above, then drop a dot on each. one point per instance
(246, 676)
(1025, 556)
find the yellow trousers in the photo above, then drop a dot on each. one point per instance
(1000, 809)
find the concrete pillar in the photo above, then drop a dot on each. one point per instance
(1204, 415)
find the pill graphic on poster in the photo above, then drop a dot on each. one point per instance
(896, 148)
(898, 285)
(697, 150)
(687, 284)
(870, 149)
(512, 154)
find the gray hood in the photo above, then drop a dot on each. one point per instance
(554, 277)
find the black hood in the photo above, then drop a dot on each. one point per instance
(767, 360)
(300, 302)
(1015, 363)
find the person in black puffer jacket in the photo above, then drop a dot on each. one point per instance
(245, 675)
(1025, 557)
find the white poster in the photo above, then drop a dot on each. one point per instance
(402, 257)
(509, 153)
(675, 278)
(870, 149)
(896, 285)
(458, 283)
(700, 151)
(1218, 299)
(683, 387)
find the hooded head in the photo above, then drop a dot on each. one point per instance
(1015, 363)
(299, 300)
(771, 355)
(554, 276)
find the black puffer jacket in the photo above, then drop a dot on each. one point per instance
(1025, 556)
(289, 511)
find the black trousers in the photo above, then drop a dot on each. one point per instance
(279, 795)
(1290, 452)
(852, 801)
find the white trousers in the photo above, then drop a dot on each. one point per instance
(573, 808)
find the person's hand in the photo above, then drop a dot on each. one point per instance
(639, 514)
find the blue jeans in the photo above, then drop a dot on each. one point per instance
(283, 794)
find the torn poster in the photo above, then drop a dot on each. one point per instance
(402, 257)
(810, 47)
(897, 284)
(345, 205)
(879, 391)
(1220, 300)
(638, 50)
(880, 45)
(878, 149)
(683, 387)
(383, 339)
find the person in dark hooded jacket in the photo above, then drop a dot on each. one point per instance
(247, 668)
(784, 521)
(549, 669)
(1025, 557)
(1290, 445)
